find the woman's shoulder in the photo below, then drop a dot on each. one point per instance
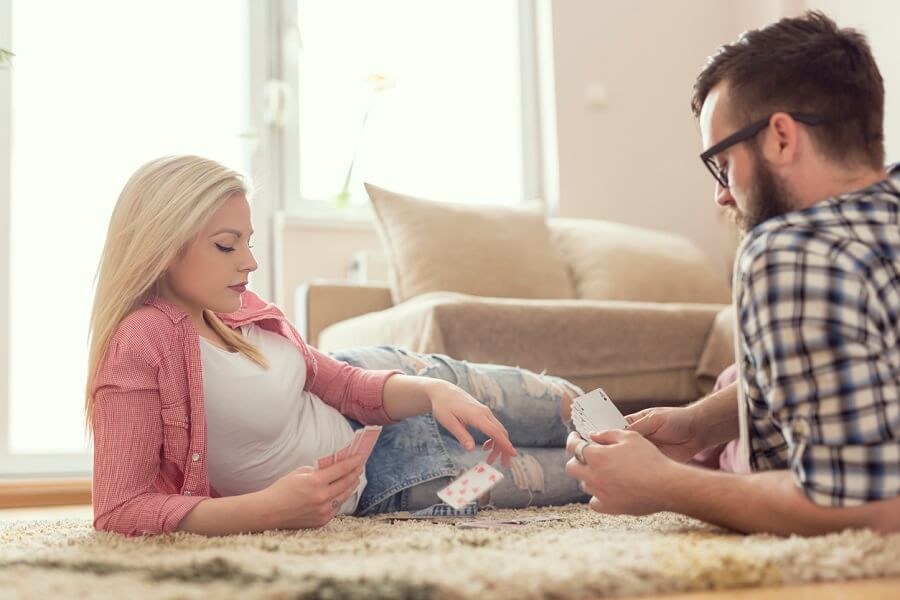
(146, 332)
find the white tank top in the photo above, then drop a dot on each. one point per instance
(261, 423)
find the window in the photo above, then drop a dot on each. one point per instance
(104, 86)
(427, 95)
(96, 90)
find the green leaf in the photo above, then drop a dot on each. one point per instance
(5, 56)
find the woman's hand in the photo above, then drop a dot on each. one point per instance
(455, 409)
(307, 497)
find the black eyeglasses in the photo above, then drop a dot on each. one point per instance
(745, 134)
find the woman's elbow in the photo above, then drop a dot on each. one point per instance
(110, 522)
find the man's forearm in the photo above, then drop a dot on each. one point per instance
(717, 416)
(767, 502)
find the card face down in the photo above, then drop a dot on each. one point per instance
(363, 442)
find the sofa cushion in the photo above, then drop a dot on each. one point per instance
(641, 353)
(612, 261)
(476, 250)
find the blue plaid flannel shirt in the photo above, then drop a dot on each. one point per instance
(818, 297)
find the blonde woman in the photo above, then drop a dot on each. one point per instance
(208, 409)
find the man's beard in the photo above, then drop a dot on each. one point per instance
(767, 198)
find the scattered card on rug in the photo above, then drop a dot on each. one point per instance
(470, 485)
(513, 523)
(596, 412)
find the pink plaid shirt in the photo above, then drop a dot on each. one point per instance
(149, 421)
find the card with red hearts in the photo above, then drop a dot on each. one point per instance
(470, 485)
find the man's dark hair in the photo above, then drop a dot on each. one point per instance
(805, 64)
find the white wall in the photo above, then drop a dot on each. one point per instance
(636, 159)
(878, 19)
(315, 248)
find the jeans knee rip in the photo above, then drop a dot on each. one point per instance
(485, 389)
(527, 473)
(417, 363)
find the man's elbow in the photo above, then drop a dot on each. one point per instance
(883, 516)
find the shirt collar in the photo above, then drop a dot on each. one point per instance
(253, 308)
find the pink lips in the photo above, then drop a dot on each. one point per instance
(240, 289)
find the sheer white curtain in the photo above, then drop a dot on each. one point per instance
(98, 87)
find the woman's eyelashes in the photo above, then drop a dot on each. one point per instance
(227, 249)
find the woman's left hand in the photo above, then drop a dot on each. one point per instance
(455, 409)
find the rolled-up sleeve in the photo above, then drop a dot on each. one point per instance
(128, 440)
(354, 392)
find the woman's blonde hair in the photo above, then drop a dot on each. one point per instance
(161, 209)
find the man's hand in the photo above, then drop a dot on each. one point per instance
(624, 472)
(673, 430)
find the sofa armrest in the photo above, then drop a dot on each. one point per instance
(641, 353)
(320, 303)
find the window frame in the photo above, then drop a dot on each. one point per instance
(535, 76)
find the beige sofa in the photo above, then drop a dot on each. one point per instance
(646, 316)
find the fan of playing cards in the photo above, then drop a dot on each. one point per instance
(363, 442)
(596, 412)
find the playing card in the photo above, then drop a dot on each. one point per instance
(363, 442)
(470, 485)
(366, 441)
(581, 424)
(357, 435)
(596, 412)
(506, 523)
(342, 454)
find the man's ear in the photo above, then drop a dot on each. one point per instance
(780, 146)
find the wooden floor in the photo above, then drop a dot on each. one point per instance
(872, 589)
(45, 512)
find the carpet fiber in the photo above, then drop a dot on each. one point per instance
(582, 554)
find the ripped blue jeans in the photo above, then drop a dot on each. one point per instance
(413, 459)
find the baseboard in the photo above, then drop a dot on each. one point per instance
(22, 493)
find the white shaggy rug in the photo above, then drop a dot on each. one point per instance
(580, 554)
